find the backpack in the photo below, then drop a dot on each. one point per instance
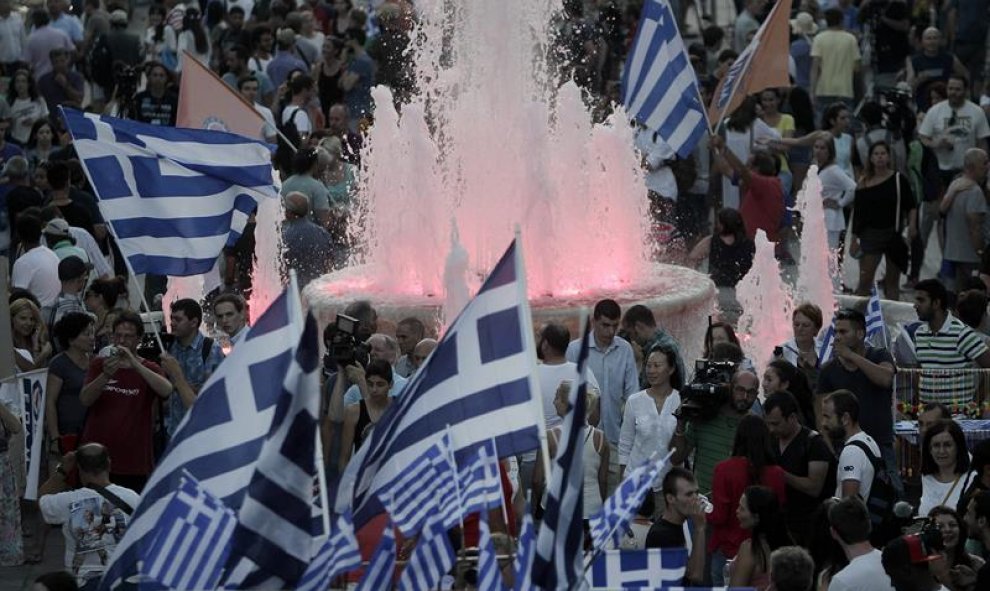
(99, 63)
(880, 504)
(288, 141)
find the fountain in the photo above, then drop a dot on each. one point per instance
(491, 142)
(767, 305)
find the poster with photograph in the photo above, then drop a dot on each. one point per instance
(97, 526)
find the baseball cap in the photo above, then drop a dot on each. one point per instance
(57, 227)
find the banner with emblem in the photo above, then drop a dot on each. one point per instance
(24, 395)
(207, 102)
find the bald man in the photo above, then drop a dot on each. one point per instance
(421, 351)
(385, 348)
(965, 208)
(308, 247)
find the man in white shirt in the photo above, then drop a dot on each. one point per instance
(953, 126)
(94, 516)
(850, 526)
(37, 269)
(408, 333)
(554, 339)
(13, 35)
(840, 418)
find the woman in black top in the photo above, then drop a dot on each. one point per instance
(327, 74)
(361, 417)
(883, 201)
(76, 336)
(730, 255)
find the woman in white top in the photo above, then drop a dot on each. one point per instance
(26, 107)
(159, 38)
(838, 189)
(648, 421)
(945, 469)
(744, 133)
(194, 39)
(595, 453)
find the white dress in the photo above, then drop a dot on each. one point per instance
(646, 430)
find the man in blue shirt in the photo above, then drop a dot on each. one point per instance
(611, 359)
(190, 360)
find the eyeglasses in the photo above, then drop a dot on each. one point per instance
(749, 391)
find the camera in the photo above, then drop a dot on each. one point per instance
(708, 391)
(342, 345)
(126, 79)
(148, 347)
(898, 112)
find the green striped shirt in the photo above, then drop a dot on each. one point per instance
(954, 346)
(712, 443)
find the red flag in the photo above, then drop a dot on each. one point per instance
(207, 102)
(763, 64)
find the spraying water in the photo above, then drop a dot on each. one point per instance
(817, 261)
(266, 276)
(455, 271)
(767, 305)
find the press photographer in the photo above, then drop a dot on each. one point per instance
(710, 413)
(120, 392)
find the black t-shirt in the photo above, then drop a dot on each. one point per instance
(156, 111)
(875, 402)
(807, 447)
(664, 534)
(891, 45)
(20, 198)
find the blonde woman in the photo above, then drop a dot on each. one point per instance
(32, 347)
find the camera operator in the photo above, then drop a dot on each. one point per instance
(120, 392)
(382, 347)
(712, 437)
(190, 360)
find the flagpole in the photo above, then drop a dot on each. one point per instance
(498, 478)
(457, 485)
(113, 230)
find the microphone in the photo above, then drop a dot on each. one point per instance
(903, 510)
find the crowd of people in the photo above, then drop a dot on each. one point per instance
(888, 99)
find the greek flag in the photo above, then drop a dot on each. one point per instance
(653, 568)
(828, 345)
(173, 197)
(480, 381)
(339, 554)
(381, 569)
(422, 491)
(489, 573)
(191, 540)
(659, 86)
(481, 485)
(876, 328)
(522, 566)
(273, 541)
(558, 562)
(430, 560)
(610, 522)
(219, 440)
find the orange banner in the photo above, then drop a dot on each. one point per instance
(206, 102)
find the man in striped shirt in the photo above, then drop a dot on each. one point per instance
(944, 342)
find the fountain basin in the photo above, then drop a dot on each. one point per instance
(681, 299)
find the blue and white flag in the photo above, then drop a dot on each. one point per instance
(489, 572)
(381, 569)
(659, 86)
(480, 381)
(430, 560)
(480, 483)
(558, 563)
(828, 345)
(610, 522)
(653, 568)
(173, 197)
(338, 555)
(424, 490)
(876, 328)
(191, 540)
(219, 440)
(273, 541)
(522, 566)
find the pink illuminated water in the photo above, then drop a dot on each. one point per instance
(767, 305)
(491, 141)
(818, 272)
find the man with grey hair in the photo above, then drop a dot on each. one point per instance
(385, 348)
(307, 246)
(421, 352)
(965, 209)
(408, 333)
(791, 569)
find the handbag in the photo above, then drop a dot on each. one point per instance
(898, 249)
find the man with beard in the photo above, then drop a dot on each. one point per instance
(713, 437)
(840, 418)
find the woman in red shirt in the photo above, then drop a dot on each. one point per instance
(752, 463)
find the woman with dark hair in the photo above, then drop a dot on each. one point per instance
(744, 134)
(883, 202)
(954, 532)
(26, 107)
(945, 472)
(782, 376)
(836, 122)
(374, 384)
(41, 143)
(648, 420)
(76, 337)
(159, 38)
(752, 462)
(717, 333)
(730, 253)
(838, 190)
(194, 39)
(758, 512)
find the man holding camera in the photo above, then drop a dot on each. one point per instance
(120, 392)
(190, 360)
(713, 437)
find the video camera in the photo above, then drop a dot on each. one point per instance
(342, 345)
(898, 112)
(708, 391)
